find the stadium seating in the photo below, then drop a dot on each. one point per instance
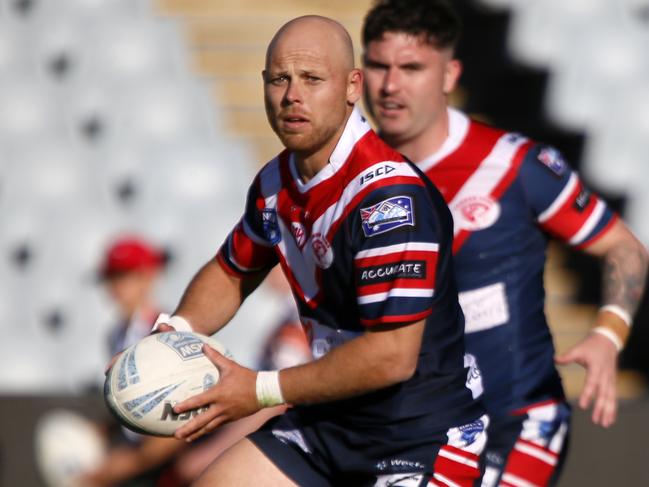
(104, 129)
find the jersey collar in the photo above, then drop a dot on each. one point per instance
(458, 127)
(355, 129)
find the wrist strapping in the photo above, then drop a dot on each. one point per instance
(615, 329)
(269, 392)
(623, 314)
(611, 335)
(177, 321)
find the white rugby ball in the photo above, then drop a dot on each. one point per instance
(156, 373)
(66, 446)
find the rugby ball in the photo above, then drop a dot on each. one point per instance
(156, 373)
(67, 445)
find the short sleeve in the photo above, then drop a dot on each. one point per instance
(561, 204)
(396, 255)
(248, 249)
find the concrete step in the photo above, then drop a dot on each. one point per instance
(250, 30)
(246, 92)
(229, 61)
(252, 8)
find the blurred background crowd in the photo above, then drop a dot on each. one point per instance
(143, 121)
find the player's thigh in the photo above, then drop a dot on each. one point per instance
(243, 464)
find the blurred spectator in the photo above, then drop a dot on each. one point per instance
(130, 271)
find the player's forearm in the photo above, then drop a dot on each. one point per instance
(211, 299)
(372, 361)
(624, 275)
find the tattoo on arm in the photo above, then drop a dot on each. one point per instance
(623, 280)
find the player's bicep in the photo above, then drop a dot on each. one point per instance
(560, 202)
(248, 249)
(395, 263)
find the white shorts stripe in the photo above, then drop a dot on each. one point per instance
(457, 458)
(396, 293)
(393, 249)
(559, 201)
(589, 225)
(517, 481)
(536, 453)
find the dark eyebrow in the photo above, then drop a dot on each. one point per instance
(373, 63)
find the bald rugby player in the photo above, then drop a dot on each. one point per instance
(365, 242)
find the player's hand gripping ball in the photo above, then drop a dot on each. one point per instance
(153, 375)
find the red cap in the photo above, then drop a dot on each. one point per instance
(130, 254)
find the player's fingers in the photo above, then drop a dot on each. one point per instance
(607, 407)
(162, 327)
(199, 400)
(211, 426)
(197, 423)
(590, 387)
(567, 357)
(601, 400)
(215, 357)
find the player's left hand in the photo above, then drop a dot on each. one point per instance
(233, 397)
(598, 355)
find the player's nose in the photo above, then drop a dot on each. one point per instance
(390, 80)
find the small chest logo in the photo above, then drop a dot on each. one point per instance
(387, 215)
(476, 212)
(299, 233)
(323, 254)
(270, 226)
(187, 345)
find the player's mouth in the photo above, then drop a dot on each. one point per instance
(390, 108)
(294, 122)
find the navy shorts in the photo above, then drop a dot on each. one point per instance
(322, 453)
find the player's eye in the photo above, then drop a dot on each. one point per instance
(278, 80)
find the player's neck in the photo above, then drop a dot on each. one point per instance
(425, 143)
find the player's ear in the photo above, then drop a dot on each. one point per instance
(452, 73)
(354, 85)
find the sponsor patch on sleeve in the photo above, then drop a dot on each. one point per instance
(407, 269)
(553, 160)
(387, 215)
(582, 200)
(271, 226)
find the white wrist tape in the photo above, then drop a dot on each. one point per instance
(178, 322)
(269, 393)
(623, 314)
(611, 335)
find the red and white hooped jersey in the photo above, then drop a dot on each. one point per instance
(507, 195)
(366, 242)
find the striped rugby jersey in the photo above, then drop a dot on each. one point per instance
(507, 195)
(366, 242)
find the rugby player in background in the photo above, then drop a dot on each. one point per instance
(507, 195)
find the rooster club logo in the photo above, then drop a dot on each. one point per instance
(323, 254)
(476, 212)
(299, 233)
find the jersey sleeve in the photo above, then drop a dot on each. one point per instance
(395, 259)
(561, 204)
(248, 249)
